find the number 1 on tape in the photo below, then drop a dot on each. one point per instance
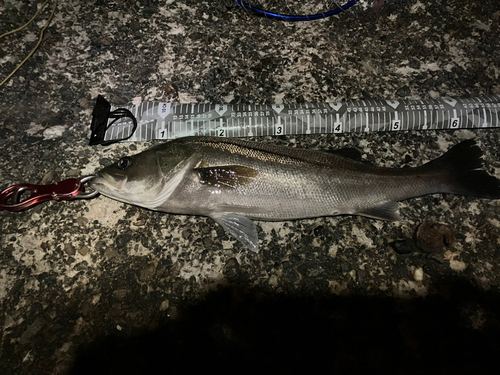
(162, 134)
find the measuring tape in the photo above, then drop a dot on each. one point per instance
(157, 120)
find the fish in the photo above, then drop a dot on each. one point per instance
(235, 182)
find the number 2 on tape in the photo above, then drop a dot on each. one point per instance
(221, 132)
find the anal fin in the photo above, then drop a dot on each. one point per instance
(385, 211)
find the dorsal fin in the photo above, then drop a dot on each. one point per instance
(349, 153)
(270, 151)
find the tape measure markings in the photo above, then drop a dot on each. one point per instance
(170, 120)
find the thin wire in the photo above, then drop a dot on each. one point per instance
(26, 24)
(296, 17)
(39, 40)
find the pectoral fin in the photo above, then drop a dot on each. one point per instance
(242, 228)
(385, 211)
(226, 176)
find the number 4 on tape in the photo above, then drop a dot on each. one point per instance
(337, 127)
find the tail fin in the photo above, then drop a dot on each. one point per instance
(462, 162)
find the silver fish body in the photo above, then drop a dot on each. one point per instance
(234, 181)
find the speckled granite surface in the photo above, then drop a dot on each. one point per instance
(100, 286)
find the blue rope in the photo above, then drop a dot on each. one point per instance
(286, 17)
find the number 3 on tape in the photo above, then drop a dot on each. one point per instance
(279, 130)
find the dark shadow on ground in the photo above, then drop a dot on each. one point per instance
(239, 330)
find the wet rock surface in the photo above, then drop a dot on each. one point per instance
(101, 286)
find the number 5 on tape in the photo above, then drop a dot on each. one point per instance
(396, 125)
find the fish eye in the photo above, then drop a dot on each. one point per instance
(124, 163)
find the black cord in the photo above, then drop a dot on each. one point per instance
(119, 114)
(100, 117)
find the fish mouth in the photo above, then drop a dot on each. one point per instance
(106, 183)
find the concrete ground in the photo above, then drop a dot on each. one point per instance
(99, 286)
